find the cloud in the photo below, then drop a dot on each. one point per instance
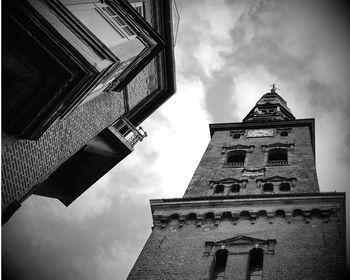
(227, 55)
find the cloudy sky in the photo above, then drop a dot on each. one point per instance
(227, 55)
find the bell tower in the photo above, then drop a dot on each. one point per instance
(252, 210)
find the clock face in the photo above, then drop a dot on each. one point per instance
(260, 133)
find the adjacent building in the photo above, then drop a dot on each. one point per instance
(253, 208)
(78, 77)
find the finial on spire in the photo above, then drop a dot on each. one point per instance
(274, 88)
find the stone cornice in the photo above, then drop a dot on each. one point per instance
(255, 205)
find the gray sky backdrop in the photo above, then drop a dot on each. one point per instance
(227, 55)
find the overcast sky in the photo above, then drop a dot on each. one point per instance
(227, 55)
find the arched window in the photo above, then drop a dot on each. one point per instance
(235, 188)
(255, 268)
(268, 187)
(277, 157)
(284, 187)
(220, 264)
(235, 159)
(219, 189)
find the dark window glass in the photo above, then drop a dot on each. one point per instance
(284, 187)
(235, 188)
(268, 187)
(219, 189)
(220, 264)
(255, 269)
(236, 159)
(277, 157)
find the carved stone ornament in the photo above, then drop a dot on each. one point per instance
(228, 182)
(253, 172)
(255, 133)
(237, 133)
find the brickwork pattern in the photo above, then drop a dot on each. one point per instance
(302, 251)
(138, 88)
(26, 163)
(301, 163)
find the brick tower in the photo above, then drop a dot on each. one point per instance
(253, 209)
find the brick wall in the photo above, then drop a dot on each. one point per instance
(301, 163)
(302, 251)
(25, 163)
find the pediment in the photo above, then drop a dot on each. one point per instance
(276, 179)
(278, 145)
(227, 181)
(238, 147)
(241, 240)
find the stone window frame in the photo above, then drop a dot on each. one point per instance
(276, 181)
(288, 147)
(226, 150)
(239, 245)
(227, 183)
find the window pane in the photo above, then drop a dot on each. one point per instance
(96, 24)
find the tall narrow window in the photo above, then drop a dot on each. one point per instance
(220, 265)
(255, 268)
(277, 157)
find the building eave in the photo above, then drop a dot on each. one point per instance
(146, 107)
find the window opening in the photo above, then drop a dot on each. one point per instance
(104, 22)
(236, 135)
(235, 188)
(284, 133)
(236, 159)
(255, 269)
(268, 187)
(277, 157)
(220, 264)
(219, 189)
(139, 7)
(284, 187)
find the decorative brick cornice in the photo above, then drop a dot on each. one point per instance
(311, 207)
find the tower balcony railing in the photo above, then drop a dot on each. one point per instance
(233, 164)
(131, 134)
(277, 162)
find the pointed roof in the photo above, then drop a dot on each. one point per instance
(270, 107)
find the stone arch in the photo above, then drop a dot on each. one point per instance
(227, 215)
(298, 214)
(316, 213)
(280, 213)
(255, 265)
(191, 216)
(244, 215)
(219, 265)
(209, 216)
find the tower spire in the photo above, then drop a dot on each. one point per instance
(270, 107)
